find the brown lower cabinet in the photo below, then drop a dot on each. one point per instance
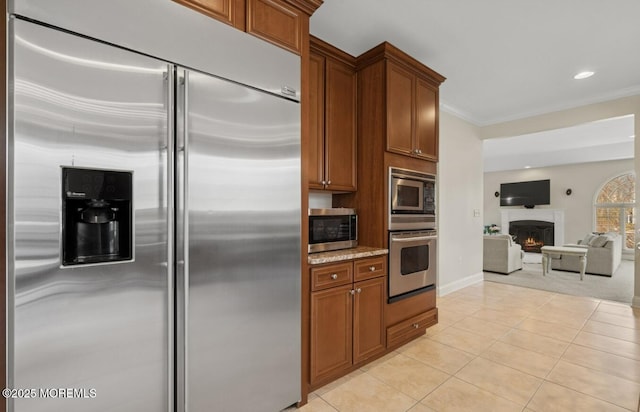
(347, 320)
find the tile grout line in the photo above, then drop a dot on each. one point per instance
(561, 359)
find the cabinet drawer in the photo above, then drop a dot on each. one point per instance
(411, 327)
(330, 276)
(370, 268)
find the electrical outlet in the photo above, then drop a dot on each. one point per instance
(476, 212)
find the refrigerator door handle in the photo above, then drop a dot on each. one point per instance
(182, 243)
(170, 208)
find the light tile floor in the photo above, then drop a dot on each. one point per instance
(499, 347)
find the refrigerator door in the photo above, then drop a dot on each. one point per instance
(239, 157)
(94, 337)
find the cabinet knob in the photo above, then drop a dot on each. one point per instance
(372, 268)
(324, 182)
(352, 292)
(334, 276)
(359, 290)
(328, 182)
(416, 325)
(419, 151)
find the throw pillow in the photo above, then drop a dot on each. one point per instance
(587, 239)
(599, 241)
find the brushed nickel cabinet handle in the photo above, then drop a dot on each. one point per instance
(359, 290)
(334, 276)
(352, 292)
(372, 268)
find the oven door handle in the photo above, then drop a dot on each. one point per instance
(413, 239)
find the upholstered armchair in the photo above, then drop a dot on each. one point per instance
(501, 254)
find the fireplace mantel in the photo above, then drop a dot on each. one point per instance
(546, 215)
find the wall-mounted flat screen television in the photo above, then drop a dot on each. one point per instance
(528, 194)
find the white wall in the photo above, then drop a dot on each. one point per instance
(583, 179)
(460, 179)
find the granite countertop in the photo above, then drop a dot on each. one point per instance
(345, 254)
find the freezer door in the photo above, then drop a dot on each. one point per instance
(103, 330)
(239, 155)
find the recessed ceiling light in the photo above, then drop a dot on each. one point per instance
(583, 75)
(633, 136)
(527, 167)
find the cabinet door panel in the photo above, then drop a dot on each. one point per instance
(400, 89)
(331, 332)
(276, 22)
(368, 319)
(228, 11)
(426, 120)
(340, 126)
(315, 164)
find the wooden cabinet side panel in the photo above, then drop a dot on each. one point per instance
(426, 119)
(275, 21)
(331, 332)
(315, 165)
(369, 200)
(340, 126)
(228, 11)
(400, 109)
(368, 318)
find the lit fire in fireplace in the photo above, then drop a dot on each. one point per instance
(531, 242)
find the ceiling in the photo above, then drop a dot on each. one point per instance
(503, 59)
(609, 139)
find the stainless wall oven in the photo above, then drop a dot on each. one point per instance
(412, 200)
(412, 263)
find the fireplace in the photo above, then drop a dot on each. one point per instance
(532, 234)
(555, 216)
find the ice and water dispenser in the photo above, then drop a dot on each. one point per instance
(97, 221)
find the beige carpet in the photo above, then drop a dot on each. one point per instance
(619, 287)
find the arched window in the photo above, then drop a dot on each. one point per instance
(614, 208)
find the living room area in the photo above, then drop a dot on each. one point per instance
(589, 174)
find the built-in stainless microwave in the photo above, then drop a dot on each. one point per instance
(332, 229)
(412, 200)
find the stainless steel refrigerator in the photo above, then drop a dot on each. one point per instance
(154, 233)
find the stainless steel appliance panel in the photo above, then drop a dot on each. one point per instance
(412, 200)
(412, 261)
(75, 102)
(241, 159)
(173, 32)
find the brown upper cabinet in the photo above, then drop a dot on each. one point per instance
(227, 11)
(332, 137)
(410, 98)
(281, 22)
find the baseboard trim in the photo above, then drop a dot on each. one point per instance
(459, 284)
(635, 302)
